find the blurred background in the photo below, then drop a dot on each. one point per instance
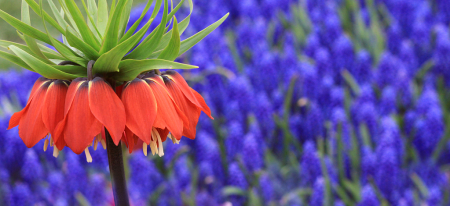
(315, 103)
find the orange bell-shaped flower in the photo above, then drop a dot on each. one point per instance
(189, 101)
(151, 114)
(44, 110)
(90, 106)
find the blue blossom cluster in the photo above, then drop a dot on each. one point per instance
(315, 103)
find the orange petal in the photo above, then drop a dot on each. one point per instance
(15, 119)
(168, 114)
(190, 94)
(31, 126)
(202, 102)
(60, 143)
(81, 126)
(140, 108)
(39, 82)
(189, 109)
(131, 139)
(107, 108)
(73, 88)
(70, 96)
(53, 109)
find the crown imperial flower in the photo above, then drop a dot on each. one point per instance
(75, 103)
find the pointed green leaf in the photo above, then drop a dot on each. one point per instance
(36, 52)
(175, 10)
(109, 61)
(87, 50)
(64, 50)
(47, 51)
(41, 67)
(24, 28)
(130, 69)
(93, 11)
(59, 15)
(111, 37)
(151, 42)
(70, 69)
(14, 59)
(171, 51)
(25, 13)
(32, 44)
(166, 38)
(92, 20)
(125, 17)
(47, 17)
(137, 22)
(69, 16)
(102, 18)
(85, 32)
(193, 40)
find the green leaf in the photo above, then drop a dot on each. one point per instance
(102, 18)
(92, 23)
(47, 17)
(175, 10)
(14, 59)
(59, 16)
(109, 61)
(32, 44)
(112, 32)
(47, 51)
(230, 190)
(41, 67)
(130, 69)
(193, 40)
(25, 28)
(69, 16)
(125, 17)
(64, 50)
(93, 12)
(181, 27)
(87, 50)
(70, 69)
(25, 13)
(137, 22)
(85, 32)
(151, 42)
(171, 51)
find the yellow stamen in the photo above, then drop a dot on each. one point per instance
(153, 145)
(95, 143)
(88, 155)
(161, 150)
(103, 143)
(55, 152)
(174, 140)
(144, 148)
(45, 145)
(51, 141)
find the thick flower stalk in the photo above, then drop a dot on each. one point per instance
(76, 103)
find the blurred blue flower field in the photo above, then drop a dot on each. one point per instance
(334, 102)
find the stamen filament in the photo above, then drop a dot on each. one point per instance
(88, 155)
(103, 143)
(55, 152)
(144, 148)
(45, 145)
